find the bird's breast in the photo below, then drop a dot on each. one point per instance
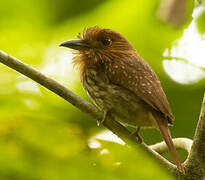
(95, 86)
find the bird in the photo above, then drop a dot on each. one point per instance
(121, 83)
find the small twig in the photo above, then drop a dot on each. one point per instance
(179, 143)
(81, 104)
(184, 60)
(195, 163)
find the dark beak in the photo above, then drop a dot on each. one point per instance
(76, 44)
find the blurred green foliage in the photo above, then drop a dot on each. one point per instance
(42, 136)
(201, 22)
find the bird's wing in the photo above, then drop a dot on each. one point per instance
(135, 74)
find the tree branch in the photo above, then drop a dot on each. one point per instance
(195, 163)
(81, 104)
(179, 143)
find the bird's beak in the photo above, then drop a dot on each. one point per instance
(76, 44)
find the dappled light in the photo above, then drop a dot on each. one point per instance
(106, 135)
(58, 64)
(183, 72)
(187, 54)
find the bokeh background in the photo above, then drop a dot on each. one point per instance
(43, 137)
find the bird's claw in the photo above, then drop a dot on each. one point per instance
(136, 135)
(100, 121)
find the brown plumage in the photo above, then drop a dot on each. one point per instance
(120, 82)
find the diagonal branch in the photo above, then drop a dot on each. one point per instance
(81, 104)
(195, 163)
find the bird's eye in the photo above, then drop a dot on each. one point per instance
(106, 41)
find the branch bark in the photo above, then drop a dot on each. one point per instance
(89, 108)
(195, 163)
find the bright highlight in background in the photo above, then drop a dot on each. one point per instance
(191, 49)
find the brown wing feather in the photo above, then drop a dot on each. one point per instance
(136, 75)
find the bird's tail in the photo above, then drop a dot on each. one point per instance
(163, 127)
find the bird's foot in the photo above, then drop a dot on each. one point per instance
(100, 121)
(135, 134)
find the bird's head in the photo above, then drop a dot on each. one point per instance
(99, 43)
